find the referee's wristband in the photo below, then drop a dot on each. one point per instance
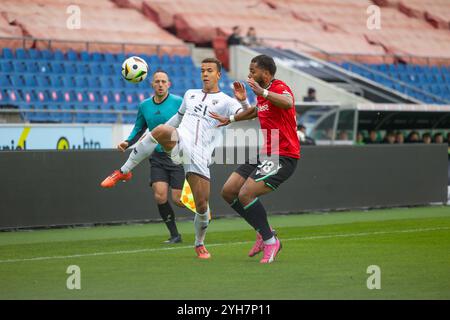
(265, 93)
(232, 119)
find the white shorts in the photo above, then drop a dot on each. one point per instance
(195, 158)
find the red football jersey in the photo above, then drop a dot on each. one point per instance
(283, 120)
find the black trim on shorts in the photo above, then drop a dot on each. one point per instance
(273, 178)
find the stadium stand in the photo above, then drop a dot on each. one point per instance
(435, 12)
(103, 22)
(432, 80)
(322, 24)
(45, 66)
(84, 81)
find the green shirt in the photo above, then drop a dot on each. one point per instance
(151, 114)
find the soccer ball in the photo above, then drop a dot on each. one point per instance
(134, 69)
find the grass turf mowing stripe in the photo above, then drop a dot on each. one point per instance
(147, 250)
(224, 224)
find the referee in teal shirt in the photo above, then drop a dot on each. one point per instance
(163, 172)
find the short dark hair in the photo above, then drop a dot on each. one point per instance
(311, 90)
(161, 71)
(214, 60)
(265, 62)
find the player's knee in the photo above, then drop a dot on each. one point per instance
(229, 193)
(245, 196)
(201, 206)
(158, 131)
(160, 197)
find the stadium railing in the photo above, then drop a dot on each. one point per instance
(119, 116)
(101, 46)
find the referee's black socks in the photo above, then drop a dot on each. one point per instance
(168, 216)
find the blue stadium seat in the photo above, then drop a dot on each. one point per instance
(21, 54)
(110, 58)
(93, 82)
(84, 55)
(4, 97)
(34, 54)
(7, 66)
(118, 82)
(70, 68)
(56, 81)
(68, 81)
(58, 55)
(29, 96)
(57, 67)
(105, 82)
(71, 55)
(17, 81)
(97, 57)
(49, 55)
(32, 66)
(81, 82)
(120, 57)
(95, 69)
(19, 66)
(43, 81)
(7, 54)
(84, 68)
(5, 82)
(44, 67)
(30, 80)
(107, 69)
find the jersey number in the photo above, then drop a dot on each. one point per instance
(201, 109)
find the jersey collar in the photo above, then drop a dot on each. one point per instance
(153, 99)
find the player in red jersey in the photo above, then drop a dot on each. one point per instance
(278, 159)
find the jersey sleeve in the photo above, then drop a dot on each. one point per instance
(139, 128)
(234, 106)
(282, 88)
(182, 108)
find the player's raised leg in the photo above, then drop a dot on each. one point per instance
(164, 135)
(200, 187)
(257, 218)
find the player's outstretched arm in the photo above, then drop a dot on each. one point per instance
(248, 114)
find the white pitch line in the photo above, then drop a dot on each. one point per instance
(342, 235)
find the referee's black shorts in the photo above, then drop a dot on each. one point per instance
(272, 171)
(163, 169)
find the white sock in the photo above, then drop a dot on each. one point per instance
(270, 241)
(201, 222)
(142, 151)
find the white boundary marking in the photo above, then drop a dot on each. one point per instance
(327, 236)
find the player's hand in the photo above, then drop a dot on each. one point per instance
(122, 146)
(257, 89)
(239, 91)
(224, 121)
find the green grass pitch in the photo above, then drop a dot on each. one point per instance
(324, 256)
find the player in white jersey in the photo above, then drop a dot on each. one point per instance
(187, 136)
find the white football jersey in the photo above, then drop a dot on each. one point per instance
(197, 126)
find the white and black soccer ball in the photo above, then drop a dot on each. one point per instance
(134, 69)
